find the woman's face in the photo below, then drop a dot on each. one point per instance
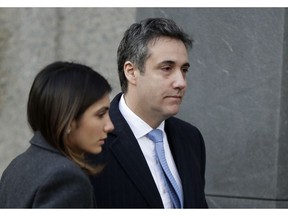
(88, 134)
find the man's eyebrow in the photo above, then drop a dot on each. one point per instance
(170, 62)
(167, 62)
(186, 64)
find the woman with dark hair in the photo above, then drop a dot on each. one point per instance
(68, 112)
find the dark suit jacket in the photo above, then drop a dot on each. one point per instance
(126, 181)
(42, 177)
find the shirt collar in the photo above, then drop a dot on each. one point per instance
(139, 127)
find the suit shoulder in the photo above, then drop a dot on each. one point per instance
(181, 123)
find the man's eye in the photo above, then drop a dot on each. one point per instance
(166, 68)
(185, 70)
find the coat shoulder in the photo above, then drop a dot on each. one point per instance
(38, 177)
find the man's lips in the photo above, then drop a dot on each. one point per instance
(174, 96)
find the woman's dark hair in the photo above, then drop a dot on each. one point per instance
(60, 93)
(134, 44)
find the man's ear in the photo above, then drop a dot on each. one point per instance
(130, 71)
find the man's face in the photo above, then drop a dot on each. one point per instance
(161, 87)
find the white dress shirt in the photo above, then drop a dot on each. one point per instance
(140, 130)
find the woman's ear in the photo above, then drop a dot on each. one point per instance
(72, 126)
(130, 71)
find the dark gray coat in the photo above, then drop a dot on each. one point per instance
(42, 177)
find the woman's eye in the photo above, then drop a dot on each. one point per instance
(100, 115)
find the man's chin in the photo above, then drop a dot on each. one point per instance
(172, 112)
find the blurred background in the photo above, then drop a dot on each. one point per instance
(237, 94)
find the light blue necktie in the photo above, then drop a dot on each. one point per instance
(174, 191)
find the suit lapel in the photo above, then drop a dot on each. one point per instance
(181, 155)
(127, 151)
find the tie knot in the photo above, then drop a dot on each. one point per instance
(155, 135)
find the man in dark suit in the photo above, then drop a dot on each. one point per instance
(152, 64)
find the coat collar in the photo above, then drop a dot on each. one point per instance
(40, 141)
